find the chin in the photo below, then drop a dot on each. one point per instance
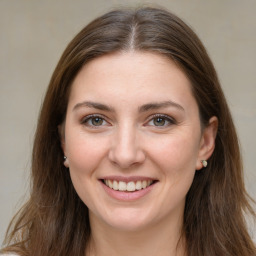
(128, 219)
(129, 225)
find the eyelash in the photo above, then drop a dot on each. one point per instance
(90, 118)
(165, 118)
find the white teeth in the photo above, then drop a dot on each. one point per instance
(122, 186)
(138, 185)
(110, 183)
(130, 186)
(115, 185)
(144, 184)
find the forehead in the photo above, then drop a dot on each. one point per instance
(132, 77)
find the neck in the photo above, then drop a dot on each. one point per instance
(158, 239)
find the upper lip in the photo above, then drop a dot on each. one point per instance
(127, 179)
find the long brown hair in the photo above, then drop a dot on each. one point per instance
(55, 221)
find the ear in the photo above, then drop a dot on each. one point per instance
(207, 143)
(63, 145)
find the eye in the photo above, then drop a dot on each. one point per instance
(161, 121)
(94, 121)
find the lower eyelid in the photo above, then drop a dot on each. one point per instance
(167, 123)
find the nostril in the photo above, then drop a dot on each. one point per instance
(125, 158)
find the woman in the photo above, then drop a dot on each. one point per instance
(135, 151)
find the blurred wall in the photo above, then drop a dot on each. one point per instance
(34, 33)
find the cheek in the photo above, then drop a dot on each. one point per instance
(176, 153)
(178, 163)
(176, 158)
(84, 153)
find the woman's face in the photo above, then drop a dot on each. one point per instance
(133, 140)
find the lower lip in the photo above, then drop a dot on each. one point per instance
(127, 196)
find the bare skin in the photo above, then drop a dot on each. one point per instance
(132, 120)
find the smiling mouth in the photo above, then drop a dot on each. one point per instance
(130, 186)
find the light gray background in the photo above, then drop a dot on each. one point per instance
(34, 33)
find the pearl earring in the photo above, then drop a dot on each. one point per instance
(66, 164)
(204, 163)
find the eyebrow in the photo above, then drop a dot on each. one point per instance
(96, 105)
(158, 105)
(143, 108)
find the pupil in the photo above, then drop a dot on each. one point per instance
(97, 121)
(159, 121)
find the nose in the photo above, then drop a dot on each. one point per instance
(126, 150)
